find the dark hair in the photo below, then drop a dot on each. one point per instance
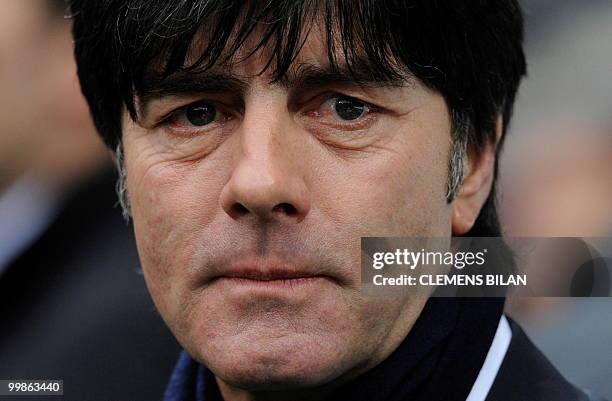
(469, 51)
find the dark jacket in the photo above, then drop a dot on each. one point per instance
(526, 375)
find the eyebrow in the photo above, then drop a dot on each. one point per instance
(185, 84)
(312, 76)
(302, 77)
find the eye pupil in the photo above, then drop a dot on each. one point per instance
(200, 114)
(348, 109)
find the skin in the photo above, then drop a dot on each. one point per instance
(279, 180)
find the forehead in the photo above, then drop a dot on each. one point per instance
(278, 49)
(256, 57)
(277, 44)
(254, 63)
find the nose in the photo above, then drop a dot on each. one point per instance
(267, 180)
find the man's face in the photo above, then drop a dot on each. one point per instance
(249, 205)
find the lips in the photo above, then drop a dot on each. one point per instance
(236, 268)
(278, 281)
(271, 270)
(270, 274)
(270, 279)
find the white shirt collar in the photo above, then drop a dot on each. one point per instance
(493, 361)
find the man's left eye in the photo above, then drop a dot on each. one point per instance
(347, 108)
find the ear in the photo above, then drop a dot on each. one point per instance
(476, 184)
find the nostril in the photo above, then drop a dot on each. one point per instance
(285, 208)
(238, 209)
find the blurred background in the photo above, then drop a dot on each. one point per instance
(556, 173)
(74, 305)
(73, 302)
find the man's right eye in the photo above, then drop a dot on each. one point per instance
(198, 118)
(196, 115)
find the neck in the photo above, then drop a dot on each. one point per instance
(233, 393)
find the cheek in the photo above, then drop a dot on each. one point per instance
(172, 204)
(399, 190)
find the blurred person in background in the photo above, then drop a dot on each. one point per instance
(72, 300)
(557, 178)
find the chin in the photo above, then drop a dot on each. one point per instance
(263, 340)
(257, 362)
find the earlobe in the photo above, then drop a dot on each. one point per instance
(476, 185)
(460, 224)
